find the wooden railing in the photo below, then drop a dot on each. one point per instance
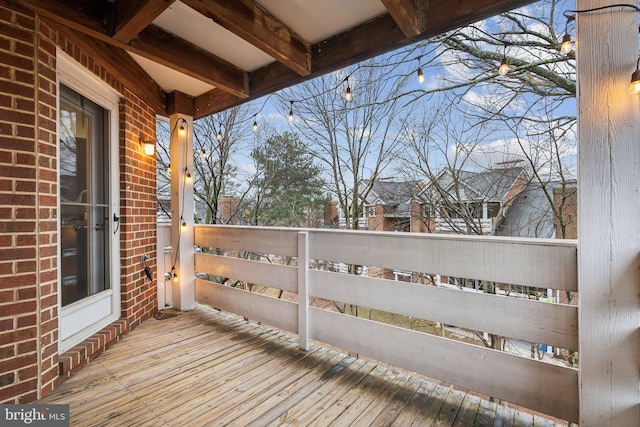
(549, 388)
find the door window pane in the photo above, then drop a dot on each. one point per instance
(83, 197)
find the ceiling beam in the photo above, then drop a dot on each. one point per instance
(88, 18)
(214, 101)
(251, 22)
(406, 14)
(365, 41)
(132, 16)
(118, 63)
(165, 48)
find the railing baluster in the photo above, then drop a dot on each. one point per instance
(303, 290)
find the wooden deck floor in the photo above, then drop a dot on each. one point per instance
(206, 368)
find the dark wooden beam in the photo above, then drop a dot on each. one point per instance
(405, 14)
(86, 16)
(376, 37)
(164, 48)
(132, 16)
(451, 14)
(177, 54)
(253, 23)
(214, 101)
(179, 103)
(119, 64)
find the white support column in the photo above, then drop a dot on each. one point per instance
(608, 216)
(184, 295)
(303, 290)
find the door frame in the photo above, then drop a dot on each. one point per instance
(75, 76)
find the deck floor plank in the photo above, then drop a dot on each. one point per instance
(209, 368)
(468, 411)
(326, 396)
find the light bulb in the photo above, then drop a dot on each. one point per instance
(188, 177)
(565, 48)
(149, 148)
(347, 94)
(183, 225)
(255, 126)
(420, 76)
(291, 115)
(169, 169)
(504, 67)
(175, 277)
(634, 88)
(181, 130)
(203, 153)
(219, 136)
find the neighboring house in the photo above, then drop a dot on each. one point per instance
(499, 201)
(531, 214)
(466, 202)
(389, 205)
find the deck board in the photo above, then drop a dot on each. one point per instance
(205, 368)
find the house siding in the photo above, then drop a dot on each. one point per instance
(30, 365)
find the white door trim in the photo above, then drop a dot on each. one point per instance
(106, 303)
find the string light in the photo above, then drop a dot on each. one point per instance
(182, 131)
(187, 176)
(169, 169)
(219, 135)
(347, 94)
(183, 225)
(203, 153)
(420, 75)
(503, 70)
(566, 45)
(291, 112)
(255, 125)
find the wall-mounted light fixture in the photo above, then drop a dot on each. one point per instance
(148, 146)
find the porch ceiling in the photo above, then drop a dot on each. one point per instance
(198, 57)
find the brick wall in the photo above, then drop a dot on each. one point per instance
(138, 210)
(28, 188)
(29, 365)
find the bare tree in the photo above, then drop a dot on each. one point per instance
(217, 139)
(354, 139)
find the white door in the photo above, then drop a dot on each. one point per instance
(88, 238)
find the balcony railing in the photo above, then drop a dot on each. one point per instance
(548, 388)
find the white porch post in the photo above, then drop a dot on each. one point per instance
(182, 253)
(608, 216)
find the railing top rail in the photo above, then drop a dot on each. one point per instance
(409, 235)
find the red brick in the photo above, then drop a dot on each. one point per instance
(28, 320)
(17, 335)
(19, 362)
(27, 347)
(20, 388)
(7, 352)
(28, 373)
(18, 308)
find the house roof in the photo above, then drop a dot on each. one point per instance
(395, 195)
(391, 192)
(198, 57)
(489, 185)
